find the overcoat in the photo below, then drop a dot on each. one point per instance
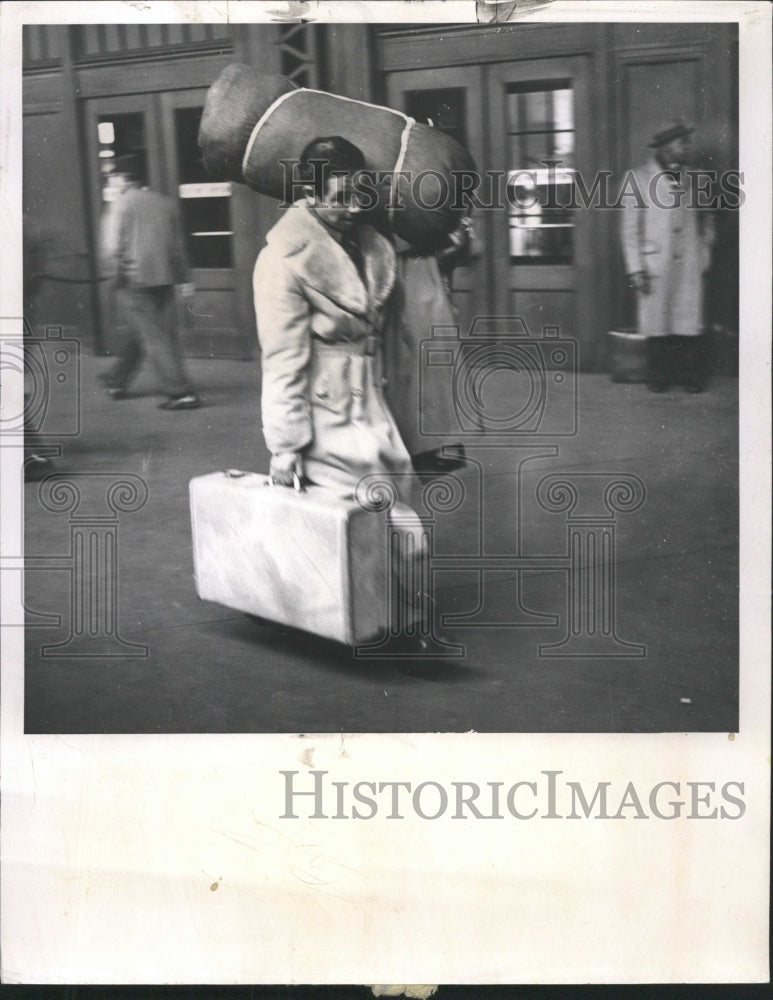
(319, 324)
(671, 240)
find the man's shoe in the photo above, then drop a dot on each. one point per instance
(187, 402)
(115, 392)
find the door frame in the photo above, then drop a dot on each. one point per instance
(473, 278)
(577, 275)
(245, 220)
(170, 101)
(158, 109)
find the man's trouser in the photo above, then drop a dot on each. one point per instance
(151, 317)
(680, 360)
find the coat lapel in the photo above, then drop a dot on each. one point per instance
(322, 263)
(380, 265)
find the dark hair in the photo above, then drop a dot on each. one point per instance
(326, 157)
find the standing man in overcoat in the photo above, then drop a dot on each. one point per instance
(667, 250)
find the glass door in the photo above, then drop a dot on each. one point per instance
(161, 130)
(540, 137)
(214, 324)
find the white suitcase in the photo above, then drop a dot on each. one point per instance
(305, 559)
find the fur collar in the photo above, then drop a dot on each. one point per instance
(323, 264)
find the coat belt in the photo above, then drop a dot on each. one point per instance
(366, 347)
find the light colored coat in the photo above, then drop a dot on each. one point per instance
(319, 327)
(673, 245)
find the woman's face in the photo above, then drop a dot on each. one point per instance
(339, 208)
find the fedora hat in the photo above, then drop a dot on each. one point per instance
(675, 131)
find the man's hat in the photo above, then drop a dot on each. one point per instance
(675, 131)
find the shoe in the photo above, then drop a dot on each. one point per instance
(115, 392)
(187, 402)
(659, 364)
(440, 460)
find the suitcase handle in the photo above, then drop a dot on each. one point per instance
(239, 474)
(296, 483)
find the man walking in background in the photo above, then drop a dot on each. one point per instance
(143, 251)
(667, 249)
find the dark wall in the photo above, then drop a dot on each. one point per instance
(54, 212)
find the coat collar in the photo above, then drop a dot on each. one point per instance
(323, 264)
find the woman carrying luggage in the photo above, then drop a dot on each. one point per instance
(321, 285)
(321, 288)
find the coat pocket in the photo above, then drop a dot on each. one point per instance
(330, 383)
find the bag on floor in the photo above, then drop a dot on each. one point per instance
(252, 122)
(301, 558)
(628, 356)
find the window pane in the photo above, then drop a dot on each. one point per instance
(540, 118)
(536, 111)
(207, 227)
(120, 135)
(189, 160)
(444, 107)
(205, 205)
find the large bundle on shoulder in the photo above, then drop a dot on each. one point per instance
(255, 126)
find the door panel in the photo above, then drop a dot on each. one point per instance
(162, 129)
(540, 137)
(211, 324)
(530, 303)
(451, 98)
(530, 122)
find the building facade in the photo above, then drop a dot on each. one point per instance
(558, 102)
